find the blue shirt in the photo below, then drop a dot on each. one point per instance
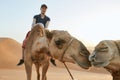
(41, 20)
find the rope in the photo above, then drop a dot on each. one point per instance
(63, 56)
(68, 71)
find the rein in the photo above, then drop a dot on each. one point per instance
(63, 56)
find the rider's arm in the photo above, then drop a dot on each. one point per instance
(47, 23)
(33, 23)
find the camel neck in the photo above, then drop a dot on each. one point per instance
(115, 74)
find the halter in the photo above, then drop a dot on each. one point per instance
(69, 43)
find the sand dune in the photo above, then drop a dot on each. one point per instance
(10, 53)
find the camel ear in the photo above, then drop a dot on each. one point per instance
(49, 34)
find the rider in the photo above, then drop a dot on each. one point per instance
(40, 18)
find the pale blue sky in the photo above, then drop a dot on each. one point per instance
(91, 20)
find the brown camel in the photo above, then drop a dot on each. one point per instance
(36, 52)
(107, 54)
(62, 46)
(66, 48)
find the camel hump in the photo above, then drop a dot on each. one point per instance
(38, 24)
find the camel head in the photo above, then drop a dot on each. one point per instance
(106, 54)
(66, 48)
(37, 40)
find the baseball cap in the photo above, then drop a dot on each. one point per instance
(43, 5)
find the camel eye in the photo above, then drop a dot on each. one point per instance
(59, 43)
(103, 49)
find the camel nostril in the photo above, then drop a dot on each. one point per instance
(92, 58)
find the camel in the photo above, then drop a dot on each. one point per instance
(36, 52)
(66, 48)
(58, 44)
(107, 54)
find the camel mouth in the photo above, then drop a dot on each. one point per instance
(97, 63)
(84, 65)
(100, 64)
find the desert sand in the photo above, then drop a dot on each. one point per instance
(10, 53)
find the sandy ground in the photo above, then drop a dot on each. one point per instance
(10, 53)
(53, 74)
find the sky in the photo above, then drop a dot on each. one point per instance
(88, 20)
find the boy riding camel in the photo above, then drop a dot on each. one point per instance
(40, 18)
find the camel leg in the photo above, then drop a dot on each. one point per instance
(44, 71)
(28, 67)
(37, 70)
